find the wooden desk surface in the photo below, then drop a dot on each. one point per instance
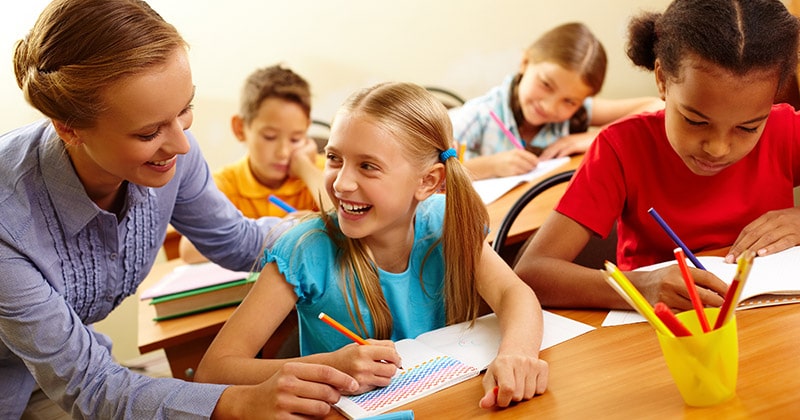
(619, 372)
(534, 215)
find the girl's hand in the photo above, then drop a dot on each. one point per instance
(371, 366)
(773, 232)
(667, 285)
(513, 162)
(517, 377)
(568, 145)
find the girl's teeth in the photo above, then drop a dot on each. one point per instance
(353, 208)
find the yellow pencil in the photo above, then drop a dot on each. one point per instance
(625, 288)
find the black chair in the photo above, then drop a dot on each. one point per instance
(449, 98)
(319, 131)
(594, 255)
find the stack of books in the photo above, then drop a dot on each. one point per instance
(196, 288)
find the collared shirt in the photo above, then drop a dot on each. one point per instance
(65, 264)
(475, 128)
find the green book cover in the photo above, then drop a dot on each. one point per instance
(251, 278)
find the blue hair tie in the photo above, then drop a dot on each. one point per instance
(447, 154)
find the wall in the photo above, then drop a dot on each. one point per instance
(467, 46)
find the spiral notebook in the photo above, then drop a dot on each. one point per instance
(441, 358)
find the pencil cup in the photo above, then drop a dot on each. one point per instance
(704, 366)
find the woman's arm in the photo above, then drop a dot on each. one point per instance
(517, 371)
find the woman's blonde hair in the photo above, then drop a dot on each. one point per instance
(77, 48)
(422, 127)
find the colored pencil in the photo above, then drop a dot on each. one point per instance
(342, 329)
(282, 204)
(743, 265)
(692, 289)
(675, 238)
(617, 280)
(670, 320)
(511, 137)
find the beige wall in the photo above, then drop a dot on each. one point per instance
(464, 45)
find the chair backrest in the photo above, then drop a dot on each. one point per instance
(594, 255)
(449, 98)
(319, 131)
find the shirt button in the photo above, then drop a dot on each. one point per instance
(109, 298)
(113, 256)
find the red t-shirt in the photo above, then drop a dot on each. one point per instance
(631, 167)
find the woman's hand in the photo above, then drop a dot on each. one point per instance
(297, 390)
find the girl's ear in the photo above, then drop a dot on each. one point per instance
(431, 182)
(67, 133)
(661, 80)
(237, 126)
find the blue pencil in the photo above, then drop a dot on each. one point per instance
(675, 238)
(282, 204)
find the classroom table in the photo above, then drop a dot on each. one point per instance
(619, 373)
(186, 339)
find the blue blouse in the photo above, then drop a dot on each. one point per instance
(65, 264)
(308, 259)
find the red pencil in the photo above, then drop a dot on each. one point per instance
(687, 278)
(670, 320)
(743, 265)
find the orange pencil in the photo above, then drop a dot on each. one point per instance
(687, 278)
(342, 329)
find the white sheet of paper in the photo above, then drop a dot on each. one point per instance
(493, 188)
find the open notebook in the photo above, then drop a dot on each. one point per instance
(438, 359)
(773, 280)
(493, 188)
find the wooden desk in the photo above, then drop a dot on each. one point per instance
(183, 339)
(619, 372)
(535, 213)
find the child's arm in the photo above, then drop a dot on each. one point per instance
(517, 371)
(508, 163)
(604, 112)
(231, 357)
(546, 266)
(303, 165)
(773, 232)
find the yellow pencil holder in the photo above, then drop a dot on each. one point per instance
(704, 366)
